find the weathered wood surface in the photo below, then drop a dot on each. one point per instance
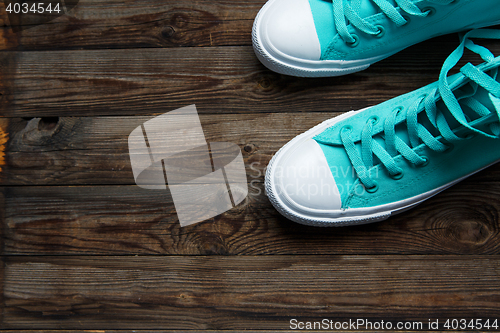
(129, 220)
(184, 331)
(94, 150)
(174, 331)
(83, 248)
(95, 24)
(217, 80)
(2, 256)
(243, 292)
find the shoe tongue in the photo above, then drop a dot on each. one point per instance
(322, 11)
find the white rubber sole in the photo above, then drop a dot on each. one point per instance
(281, 63)
(335, 218)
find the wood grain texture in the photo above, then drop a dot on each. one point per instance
(4, 138)
(171, 331)
(216, 79)
(129, 220)
(8, 39)
(2, 266)
(83, 248)
(94, 150)
(243, 292)
(94, 24)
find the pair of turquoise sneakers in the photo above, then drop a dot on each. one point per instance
(366, 165)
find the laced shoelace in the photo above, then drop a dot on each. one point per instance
(344, 14)
(453, 105)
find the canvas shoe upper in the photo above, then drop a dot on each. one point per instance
(314, 38)
(366, 165)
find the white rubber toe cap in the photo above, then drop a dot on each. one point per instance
(304, 180)
(287, 29)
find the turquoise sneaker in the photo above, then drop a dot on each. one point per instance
(316, 38)
(366, 165)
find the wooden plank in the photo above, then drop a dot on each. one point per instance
(238, 293)
(216, 79)
(188, 331)
(176, 331)
(4, 138)
(94, 150)
(2, 263)
(2, 220)
(95, 24)
(2, 298)
(195, 331)
(60, 220)
(8, 39)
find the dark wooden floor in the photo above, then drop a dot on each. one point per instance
(82, 247)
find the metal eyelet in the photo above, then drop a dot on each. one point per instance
(425, 163)
(429, 11)
(381, 31)
(374, 120)
(372, 189)
(356, 41)
(398, 175)
(346, 128)
(449, 148)
(398, 110)
(407, 19)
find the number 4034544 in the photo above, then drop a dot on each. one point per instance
(36, 8)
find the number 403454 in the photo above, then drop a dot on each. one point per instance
(36, 8)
